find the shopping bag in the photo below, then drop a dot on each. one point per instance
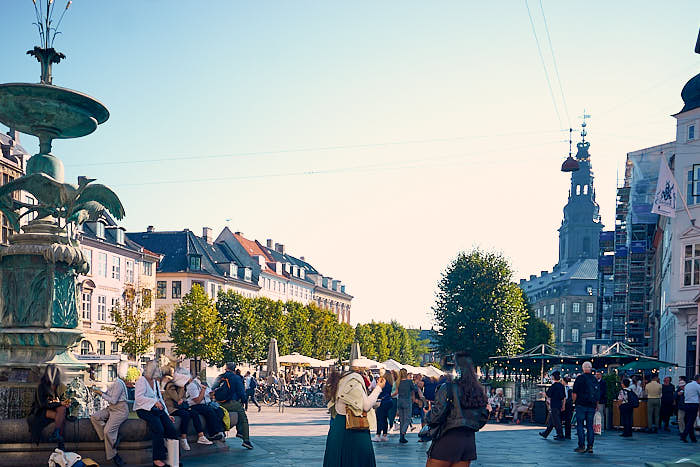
(597, 423)
(173, 446)
(226, 419)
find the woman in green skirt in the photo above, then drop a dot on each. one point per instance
(344, 447)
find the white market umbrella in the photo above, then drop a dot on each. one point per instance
(392, 365)
(433, 372)
(273, 358)
(364, 362)
(296, 359)
(328, 363)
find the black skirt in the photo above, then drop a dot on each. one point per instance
(456, 445)
(348, 448)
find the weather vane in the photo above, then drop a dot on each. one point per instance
(45, 54)
(583, 125)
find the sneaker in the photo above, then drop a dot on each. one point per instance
(589, 449)
(184, 444)
(238, 435)
(541, 433)
(580, 449)
(247, 445)
(403, 440)
(376, 439)
(384, 438)
(259, 408)
(201, 440)
(116, 460)
(558, 438)
(216, 437)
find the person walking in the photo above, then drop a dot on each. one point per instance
(626, 407)
(556, 396)
(394, 401)
(691, 401)
(108, 420)
(586, 394)
(680, 402)
(150, 407)
(455, 413)
(653, 389)
(383, 409)
(230, 394)
(406, 388)
(250, 391)
(603, 400)
(568, 407)
(668, 395)
(347, 397)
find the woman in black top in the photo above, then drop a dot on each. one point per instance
(48, 406)
(454, 444)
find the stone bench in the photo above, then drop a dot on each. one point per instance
(17, 450)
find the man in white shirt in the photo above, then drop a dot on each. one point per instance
(107, 421)
(692, 402)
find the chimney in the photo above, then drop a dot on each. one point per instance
(239, 233)
(279, 248)
(533, 276)
(544, 273)
(207, 234)
(302, 258)
(150, 228)
(270, 244)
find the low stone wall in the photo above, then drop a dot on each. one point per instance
(17, 450)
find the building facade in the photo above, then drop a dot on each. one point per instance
(121, 272)
(566, 297)
(12, 165)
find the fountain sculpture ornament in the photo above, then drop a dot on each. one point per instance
(39, 267)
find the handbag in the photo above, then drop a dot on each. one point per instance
(173, 446)
(432, 431)
(356, 422)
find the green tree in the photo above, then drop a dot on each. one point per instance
(270, 315)
(133, 327)
(538, 332)
(365, 337)
(300, 335)
(245, 339)
(479, 309)
(197, 329)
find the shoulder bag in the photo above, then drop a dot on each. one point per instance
(431, 432)
(356, 422)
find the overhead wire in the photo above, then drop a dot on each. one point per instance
(544, 66)
(556, 67)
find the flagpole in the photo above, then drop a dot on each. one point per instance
(680, 193)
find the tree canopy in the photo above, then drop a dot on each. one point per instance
(478, 308)
(134, 328)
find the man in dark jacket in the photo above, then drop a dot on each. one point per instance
(568, 407)
(557, 402)
(230, 394)
(668, 396)
(586, 396)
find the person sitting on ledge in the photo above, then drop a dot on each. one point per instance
(175, 397)
(108, 420)
(150, 407)
(229, 393)
(48, 407)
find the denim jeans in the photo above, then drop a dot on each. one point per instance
(584, 415)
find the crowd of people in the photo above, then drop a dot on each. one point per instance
(589, 397)
(450, 409)
(159, 395)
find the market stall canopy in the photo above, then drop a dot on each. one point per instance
(392, 365)
(433, 372)
(647, 364)
(296, 359)
(363, 362)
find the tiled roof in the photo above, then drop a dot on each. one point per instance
(110, 236)
(586, 269)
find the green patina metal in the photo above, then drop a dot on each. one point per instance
(65, 313)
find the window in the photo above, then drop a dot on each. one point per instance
(115, 348)
(147, 268)
(538, 312)
(576, 307)
(129, 266)
(589, 290)
(177, 290)
(84, 347)
(101, 308)
(691, 132)
(693, 186)
(98, 373)
(551, 309)
(578, 189)
(563, 307)
(88, 258)
(589, 308)
(269, 284)
(111, 372)
(159, 352)
(589, 319)
(146, 298)
(195, 263)
(115, 304)
(574, 335)
(200, 284)
(161, 289)
(116, 267)
(585, 189)
(691, 265)
(87, 305)
(101, 347)
(102, 265)
(561, 335)
(119, 236)
(213, 290)
(99, 230)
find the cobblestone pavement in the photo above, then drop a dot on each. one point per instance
(297, 438)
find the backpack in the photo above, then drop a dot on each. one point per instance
(592, 395)
(253, 383)
(632, 399)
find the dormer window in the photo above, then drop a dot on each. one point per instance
(99, 230)
(233, 270)
(119, 236)
(195, 262)
(248, 274)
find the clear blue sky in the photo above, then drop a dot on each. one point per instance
(375, 138)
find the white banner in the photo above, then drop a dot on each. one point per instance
(666, 194)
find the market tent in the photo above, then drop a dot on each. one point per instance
(328, 363)
(364, 362)
(646, 365)
(392, 365)
(433, 372)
